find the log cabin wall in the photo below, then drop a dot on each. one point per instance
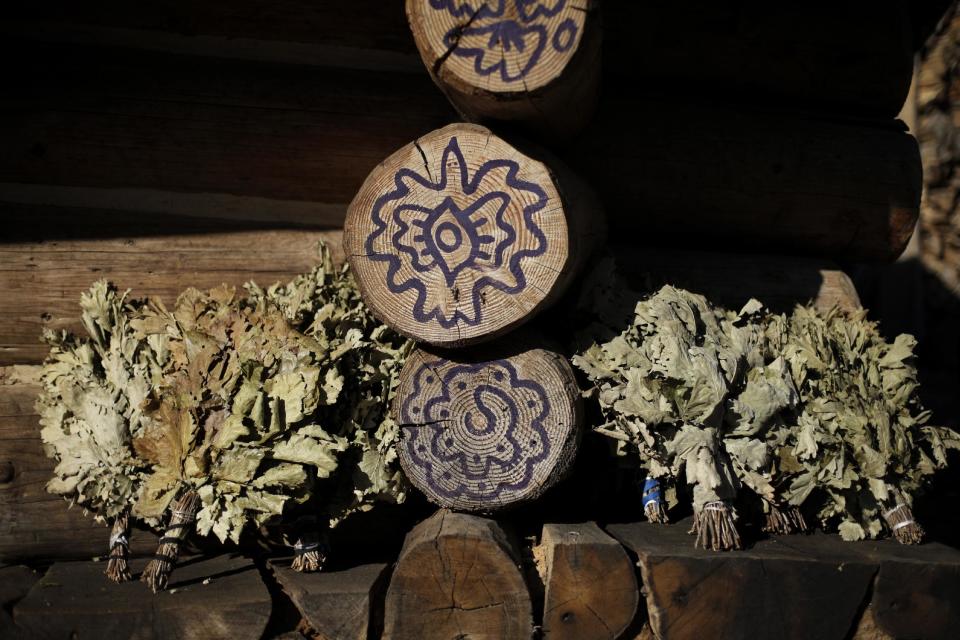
(746, 149)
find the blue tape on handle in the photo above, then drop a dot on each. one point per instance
(651, 491)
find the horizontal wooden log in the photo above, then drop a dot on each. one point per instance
(292, 137)
(781, 584)
(15, 582)
(33, 523)
(460, 236)
(916, 591)
(730, 180)
(220, 597)
(490, 427)
(204, 125)
(42, 279)
(359, 34)
(458, 576)
(537, 65)
(732, 279)
(590, 585)
(843, 60)
(339, 605)
(768, 591)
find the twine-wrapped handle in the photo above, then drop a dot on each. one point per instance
(157, 573)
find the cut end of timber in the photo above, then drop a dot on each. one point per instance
(458, 577)
(501, 48)
(458, 237)
(480, 434)
(590, 583)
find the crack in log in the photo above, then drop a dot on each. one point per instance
(455, 42)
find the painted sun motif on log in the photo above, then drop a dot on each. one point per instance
(453, 237)
(476, 431)
(518, 31)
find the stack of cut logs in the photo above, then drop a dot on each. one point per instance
(463, 235)
(456, 240)
(735, 149)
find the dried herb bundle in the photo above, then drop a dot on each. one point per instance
(91, 409)
(859, 446)
(663, 384)
(235, 405)
(808, 410)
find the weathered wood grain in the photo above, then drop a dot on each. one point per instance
(590, 584)
(361, 33)
(917, 589)
(33, 523)
(732, 279)
(15, 583)
(42, 279)
(845, 60)
(459, 236)
(489, 427)
(221, 597)
(703, 176)
(458, 576)
(786, 587)
(337, 605)
(537, 65)
(204, 125)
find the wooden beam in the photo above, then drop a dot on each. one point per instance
(460, 236)
(543, 74)
(204, 125)
(845, 60)
(590, 584)
(345, 604)
(458, 576)
(42, 279)
(720, 179)
(489, 427)
(222, 597)
(732, 279)
(783, 581)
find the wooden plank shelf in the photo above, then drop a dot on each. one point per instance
(220, 597)
(800, 586)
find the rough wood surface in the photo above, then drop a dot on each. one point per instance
(458, 576)
(459, 236)
(867, 627)
(798, 56)
(217, 132)
(33, 523)
(15, 582)
(731, 279)
(733, 180)
(776, 589)
(221, 597)
(42, 279)
(489, 427)
(844, 60)
(205, 125)
(917, 590)
(537, 64)
(337, 605)
(590, 584)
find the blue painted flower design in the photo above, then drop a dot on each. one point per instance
(493, 30)
(467, 236)
(475, 441)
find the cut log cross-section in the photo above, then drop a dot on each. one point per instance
(458, 576)
(459, 237)
(482, 433)
(536, 63)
